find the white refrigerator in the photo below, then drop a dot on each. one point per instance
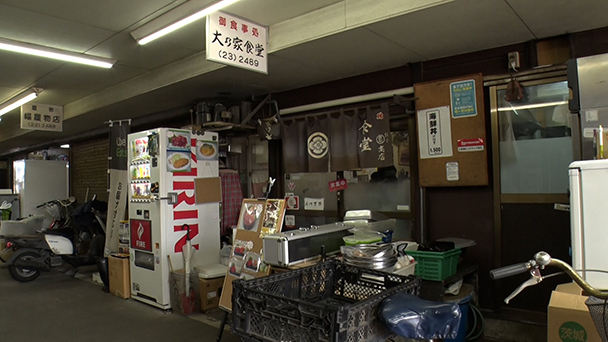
(589, 219)
(39, 181)
(163, 164)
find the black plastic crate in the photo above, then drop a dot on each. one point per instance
(330, 301)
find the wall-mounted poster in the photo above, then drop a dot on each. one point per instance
(434, 132)
(206, 150)
(178, 161)
(462, 96)
(178, 151)
(178, 140)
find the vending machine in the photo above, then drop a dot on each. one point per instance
(163, 166)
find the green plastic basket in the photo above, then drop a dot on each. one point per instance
(5, 214)
(435, 265)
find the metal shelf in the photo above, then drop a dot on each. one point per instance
(218, 126)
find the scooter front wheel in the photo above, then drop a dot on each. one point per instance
(24, 274)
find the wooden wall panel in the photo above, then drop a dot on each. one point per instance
(472, 165)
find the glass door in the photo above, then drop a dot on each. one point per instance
(532, 148)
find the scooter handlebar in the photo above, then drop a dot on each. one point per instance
(510, 270)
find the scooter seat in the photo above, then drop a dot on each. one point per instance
(27, 226)
(411, 317)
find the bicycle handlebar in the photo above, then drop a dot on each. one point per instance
(62, 202)
(542, 259)
(510, 270)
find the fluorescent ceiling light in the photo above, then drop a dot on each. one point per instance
(157, 27)
(19, 100)
(65, 146)
(42, 51)
(535, 105)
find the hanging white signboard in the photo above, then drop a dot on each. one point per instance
(235, 41)
(42, 117)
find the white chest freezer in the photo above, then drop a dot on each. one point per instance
(589, 219)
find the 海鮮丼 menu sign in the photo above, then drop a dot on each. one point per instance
(234, 41)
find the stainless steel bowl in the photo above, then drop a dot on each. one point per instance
(376, 257)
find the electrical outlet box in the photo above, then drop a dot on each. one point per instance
(513, 60)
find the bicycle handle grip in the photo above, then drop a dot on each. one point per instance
(510, 270)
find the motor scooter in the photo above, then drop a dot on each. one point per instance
(79, 244)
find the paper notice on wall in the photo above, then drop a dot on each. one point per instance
(591, 115)
(434, 133)
(451, 170)
(471, 145)
(314, 203)
(290, 221)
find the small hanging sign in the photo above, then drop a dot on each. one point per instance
(237, 42)
(42, 117)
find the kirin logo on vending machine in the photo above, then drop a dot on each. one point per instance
(182, 214)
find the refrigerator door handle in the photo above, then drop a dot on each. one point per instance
(171, 198)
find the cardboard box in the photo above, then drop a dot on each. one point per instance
(119, 276)
(569, 317)
(210, 290)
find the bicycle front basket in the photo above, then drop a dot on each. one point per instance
(598, 308)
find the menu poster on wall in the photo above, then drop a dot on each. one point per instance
(434, 132)
(178, 151)
(237, 42)
(462, 96)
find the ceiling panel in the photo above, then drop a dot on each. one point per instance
(455, 28)
(9, 124)
(263, 12)
(113, 15)
(18, 70)
(128, 52)
(282, 75)
(270, 12)
(36, 28)
(7, 92)
(349, 53)
(556, 17)
(193, 38)
(73, 82)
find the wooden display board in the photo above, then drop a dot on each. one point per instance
(452, 144)
(257, 218)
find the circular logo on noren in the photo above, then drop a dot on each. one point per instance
(318, 145)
